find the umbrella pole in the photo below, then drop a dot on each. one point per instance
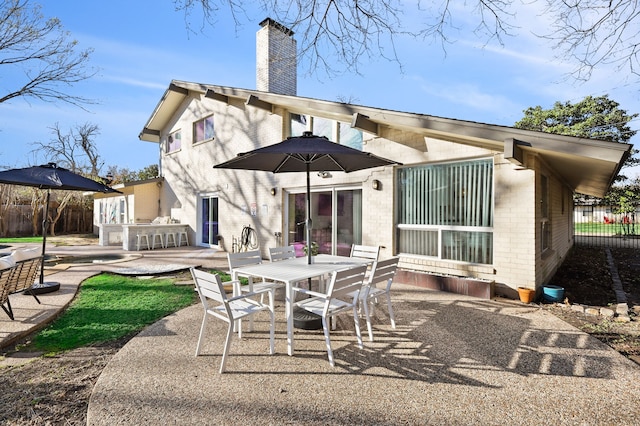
(44, 234)
(308, 222)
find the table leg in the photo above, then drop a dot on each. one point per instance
(289, 315)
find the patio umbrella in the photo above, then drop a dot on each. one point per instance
(307, 153)
(50, 176)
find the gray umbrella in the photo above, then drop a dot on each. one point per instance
(50, 176)
(307, 153)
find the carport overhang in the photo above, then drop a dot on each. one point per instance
(586, 166)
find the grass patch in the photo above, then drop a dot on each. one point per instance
(109, 307)
(20, 240)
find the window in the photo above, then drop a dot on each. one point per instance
(347, 135)
(446, 211)
(203, 129)
(545, 223)
(174, 141)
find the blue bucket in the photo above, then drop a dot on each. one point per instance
(553, 293)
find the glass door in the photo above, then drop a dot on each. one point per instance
(209, 221)
(336, 215)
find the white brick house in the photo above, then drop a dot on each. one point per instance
(486, 202)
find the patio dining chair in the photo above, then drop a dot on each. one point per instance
(247, 258)
(366, 252)
(341, 296)
(229, 309)
(383, 272)
(281, 253)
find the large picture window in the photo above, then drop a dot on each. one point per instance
(446, 211)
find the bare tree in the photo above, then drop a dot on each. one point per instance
(75, 150)
(7, 199)
(337, 34)
(596, 32)
(40, 51)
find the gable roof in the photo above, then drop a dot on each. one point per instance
(587, 166)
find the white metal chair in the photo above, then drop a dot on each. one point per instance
(229, 309)
(246, 258)
(250, 258)
(281, 253)
(367, 252)
(341, 296)
(383, 272)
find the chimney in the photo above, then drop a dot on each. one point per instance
(276, 59)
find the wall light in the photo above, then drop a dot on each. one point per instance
(274, 191)
(376, 184)
(324, 175)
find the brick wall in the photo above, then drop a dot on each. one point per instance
(276, 63)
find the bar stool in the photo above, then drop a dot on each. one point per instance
(186, 238)
(142, 236)
(170, 236)
(156, 236)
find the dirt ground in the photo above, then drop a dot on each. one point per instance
(56, 390)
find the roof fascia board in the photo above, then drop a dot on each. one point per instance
(458, 130)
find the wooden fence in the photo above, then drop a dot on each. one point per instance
(17, 221)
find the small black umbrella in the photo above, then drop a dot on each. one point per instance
(50, 176)
(307, 153)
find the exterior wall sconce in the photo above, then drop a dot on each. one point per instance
(324, 175)
(376, 184)
(273, 191)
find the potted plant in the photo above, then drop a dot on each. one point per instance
(526, 294)
(314, 249)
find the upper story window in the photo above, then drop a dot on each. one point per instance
(335, 131)
(174, 141)
(203, 129)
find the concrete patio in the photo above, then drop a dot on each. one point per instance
(452, 360)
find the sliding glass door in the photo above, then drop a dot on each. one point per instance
(337, 220)
(209, 220)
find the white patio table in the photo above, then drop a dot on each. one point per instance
(291, 271)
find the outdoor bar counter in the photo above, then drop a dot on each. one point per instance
(127, 233)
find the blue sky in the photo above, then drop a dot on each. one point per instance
(141, 45)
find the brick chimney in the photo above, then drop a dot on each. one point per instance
(276, 60)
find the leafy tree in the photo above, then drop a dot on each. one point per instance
(125, 175)
(593, 117)
(40, 51)
(590, 33)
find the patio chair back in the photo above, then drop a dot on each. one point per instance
(244, 258)
(367, 252)
(383, 273)
(281, 253)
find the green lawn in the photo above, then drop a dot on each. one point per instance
(109, 307)
(605, 228)
(20, 240)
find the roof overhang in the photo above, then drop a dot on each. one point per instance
(586, 165)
